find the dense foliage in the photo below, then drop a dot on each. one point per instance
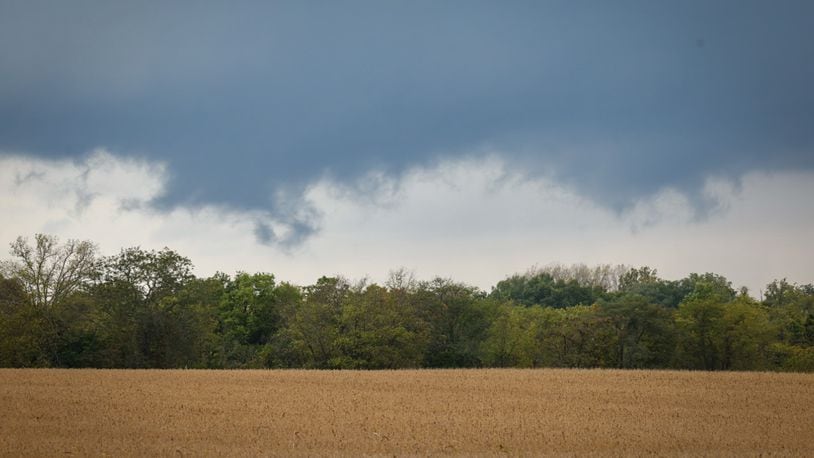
(61, 305)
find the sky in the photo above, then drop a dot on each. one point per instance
(464, 139)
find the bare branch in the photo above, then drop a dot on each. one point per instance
(48, 271)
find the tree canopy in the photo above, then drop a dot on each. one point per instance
(63, 305)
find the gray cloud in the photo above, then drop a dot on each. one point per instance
(296, 231)
(242, 101)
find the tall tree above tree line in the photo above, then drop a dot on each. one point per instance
(50, 271)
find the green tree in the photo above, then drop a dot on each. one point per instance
(720, 330)
(12, 295)
(581, 338)
(645, 282)
(122, 313)
(642, 331)
(139, 297)
(313, 326)
(54, 327)
(379, 331)
(509, 340)
(635, 277)
(153, 274)
(458, 318)
(700, 322)
(248, 315)
(543, 289)
(253, 311)
(198, 310)
(781, 292)
(23, 339)
(747, 335)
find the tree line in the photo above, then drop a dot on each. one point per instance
(64, 305)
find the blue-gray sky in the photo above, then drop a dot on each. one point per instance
(241, 97)
(617, 101)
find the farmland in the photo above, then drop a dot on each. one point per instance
(456, 412)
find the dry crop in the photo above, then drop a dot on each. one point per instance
(424, 412)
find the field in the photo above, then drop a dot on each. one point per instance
(455, 412)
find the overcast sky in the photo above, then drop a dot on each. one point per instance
(461, 138)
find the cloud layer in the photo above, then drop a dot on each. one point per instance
(475, 219)
(248, 104)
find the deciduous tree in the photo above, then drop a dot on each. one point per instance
(50, 271)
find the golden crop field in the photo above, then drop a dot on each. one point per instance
(422, 412)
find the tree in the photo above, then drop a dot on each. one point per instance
(708, 286)
(579, 337)
(635, 277)
(701, 324)
(506, 344)
(720, 331)
(379, 331)
(540, 288)
(252, 314)
(139, 297)
(458, 318)
(54, 326)
(313, 326)
(22, 340)
(249, 310)
(642, 331)
(153, 274)
(12, 295)
(604, 277)
(645, 282)
(781, 292)
(747, 335)
(51, 272)
(122, 315)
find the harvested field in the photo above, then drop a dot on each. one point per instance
(456, 412)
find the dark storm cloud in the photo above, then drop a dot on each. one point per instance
(242, 99)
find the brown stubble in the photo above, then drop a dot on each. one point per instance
(427, 412)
